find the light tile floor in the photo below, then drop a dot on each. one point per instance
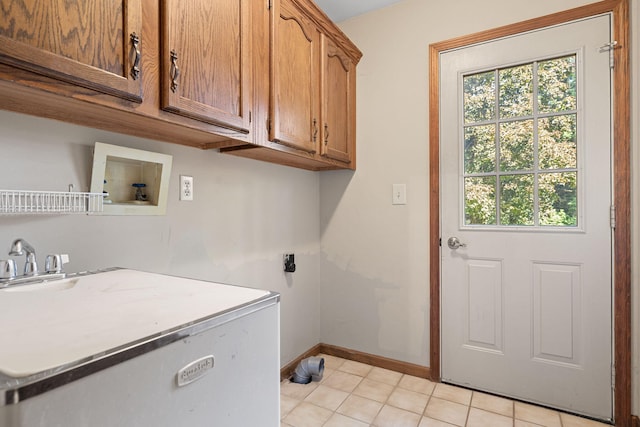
(353, 394)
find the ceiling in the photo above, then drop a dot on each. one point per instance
(339, 10)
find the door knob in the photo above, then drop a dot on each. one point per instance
(454, 243)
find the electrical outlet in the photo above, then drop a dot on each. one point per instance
(186, 187)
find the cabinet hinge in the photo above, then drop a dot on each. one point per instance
(250, 118)
(268, 4)
(610, 47)
(269, 126)
(612, 217)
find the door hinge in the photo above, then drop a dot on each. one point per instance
(612, 217)
(609, 47)
(613, 377)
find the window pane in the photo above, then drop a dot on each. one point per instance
(516, 200)
(520, 150)
(480, 149)
(557, 85)
(480, 200)
(516, 91)
(516, 146)
(479, 97)
(558, 199)
(557, 142)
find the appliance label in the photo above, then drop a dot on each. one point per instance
(194, 370)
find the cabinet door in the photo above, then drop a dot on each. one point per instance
(338, 103)
(94, 44)
(206, 62)
(294, 96)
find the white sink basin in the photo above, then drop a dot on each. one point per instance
(45, 286)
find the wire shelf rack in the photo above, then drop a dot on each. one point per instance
(49, 202)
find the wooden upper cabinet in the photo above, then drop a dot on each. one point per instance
(93, 44)
(338, 103)
(272, 80)
(294, 90)
(206, 61)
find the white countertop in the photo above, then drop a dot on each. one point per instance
(45, 326)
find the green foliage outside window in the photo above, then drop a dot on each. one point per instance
(520, 145)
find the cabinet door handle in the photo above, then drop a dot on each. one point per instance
(175, 71)
(326, 134)
(315, 130)
(135, 47)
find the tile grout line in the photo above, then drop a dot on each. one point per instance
(349, 395)
(424, 412)
(383, 403)
(466, 420)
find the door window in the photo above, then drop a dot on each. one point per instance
(521, 145)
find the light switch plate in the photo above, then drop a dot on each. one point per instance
(399, 194)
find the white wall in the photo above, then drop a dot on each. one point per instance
(374, 262)
(245, 216)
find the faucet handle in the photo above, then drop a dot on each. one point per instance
(7, 269)
(54, 263)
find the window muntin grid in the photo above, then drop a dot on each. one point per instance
(520, 157)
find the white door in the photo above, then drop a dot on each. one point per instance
(526, 191)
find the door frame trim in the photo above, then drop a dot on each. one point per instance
(621, 181)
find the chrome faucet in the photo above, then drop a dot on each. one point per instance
(20, 247)
(53, 266)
